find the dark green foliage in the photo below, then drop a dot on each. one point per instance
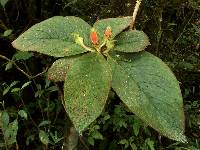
(88, 78)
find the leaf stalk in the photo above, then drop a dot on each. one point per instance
(137, 6)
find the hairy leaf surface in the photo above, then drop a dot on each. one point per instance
(54, 37)
(86, 89)
(150, 90)
(58, 71)
(131, 41)
(117, 25)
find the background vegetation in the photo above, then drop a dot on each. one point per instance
(32, 115)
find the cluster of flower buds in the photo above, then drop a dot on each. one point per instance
(107, 42)
(94, 36)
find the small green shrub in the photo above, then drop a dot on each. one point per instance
(94, 59)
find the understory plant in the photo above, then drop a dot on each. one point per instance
(108, 56)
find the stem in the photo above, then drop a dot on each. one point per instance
(34, 123)
(137, 5)
(72, 139)
(79, 40)
(183, 31)
(22, 71)
(103, 44)
(27, 70)
(71, 136)
(81, 140)
(87, 48)
(16, 146)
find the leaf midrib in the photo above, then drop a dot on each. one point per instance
(146, 94)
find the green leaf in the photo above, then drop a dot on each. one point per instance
(97, 135)
(52, 89)
(117, 25)
(58, 71)
(3, 2)
(54, 37)
(150, 90)
(9, 65)
(55, 137)
(133, 146)
(14, 90)
(150, 143)
(4, 119)
(23, 114)
(44, 137)
(22, 55)
(136, 126)
(131, 41)
(6, 90)
(44, 123)
(7, 32)
(14, 83)
(10, 133)
(124, 142)
(26, 84)
(86, 89)
(91, 141)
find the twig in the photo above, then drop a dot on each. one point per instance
(29, 72)
(34, 123)
(82, 141)
(137, 5)
(22, 71)
(39, 74)
(180, 35)
(18, 68)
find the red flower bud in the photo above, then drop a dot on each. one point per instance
(93, 37)
(108, 32)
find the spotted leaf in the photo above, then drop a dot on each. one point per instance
(131, 41)
(54, 37)
(151, 91)
(86, 89)
(58, 71)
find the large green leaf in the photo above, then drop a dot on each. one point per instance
(131, 41)
(117, 25)
(54, 36)
(150, 90)
(58, 71)
(86, 89)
